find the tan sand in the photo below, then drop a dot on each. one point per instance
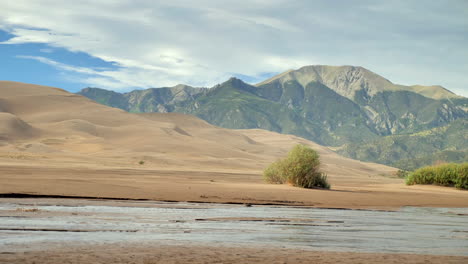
(149, 254)
(56, 143)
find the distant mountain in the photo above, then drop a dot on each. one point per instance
(347, 80)
(160, 100)
(334, 106)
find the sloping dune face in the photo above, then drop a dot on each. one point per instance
(11, 127)
(268, 146)
(75, 125)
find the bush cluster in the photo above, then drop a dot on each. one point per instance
(300, 168)
(451, 174)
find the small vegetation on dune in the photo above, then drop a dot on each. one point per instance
(451, 174)
(28, 210)
(402, 174)
(300, 168)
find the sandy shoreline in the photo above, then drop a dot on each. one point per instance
(148, 254)
(96, 231)
(218, 187)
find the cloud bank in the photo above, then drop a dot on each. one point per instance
(201, 43)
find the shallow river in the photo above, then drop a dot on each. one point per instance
(34, 223)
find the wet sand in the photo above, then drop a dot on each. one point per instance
(148, 254)
(96, 231)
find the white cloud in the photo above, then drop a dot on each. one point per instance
(101, 77)
(163, 43)
(59, 65)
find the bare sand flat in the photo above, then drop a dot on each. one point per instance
(56, 143)
(148, 254)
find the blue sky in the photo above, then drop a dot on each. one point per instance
(18, 64)
(123, 45)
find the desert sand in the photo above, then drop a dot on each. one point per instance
(53, 142)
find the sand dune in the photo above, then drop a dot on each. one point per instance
(12, 127)
(56, 143)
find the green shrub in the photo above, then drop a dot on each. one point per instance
(462, 180)
(300, 168)
(446, 175)
(451, 174)
(421, 176)
(275, 173)
(141, 162)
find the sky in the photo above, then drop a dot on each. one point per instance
(123, 45)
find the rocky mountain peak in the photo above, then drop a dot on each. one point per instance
(344, 80)
(347, 80)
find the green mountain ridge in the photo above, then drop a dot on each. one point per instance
(410, 151)
(339, 106)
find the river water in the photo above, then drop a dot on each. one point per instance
(34, 223)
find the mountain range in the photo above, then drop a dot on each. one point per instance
(356, 112)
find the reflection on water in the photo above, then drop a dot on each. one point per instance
(440, 231)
